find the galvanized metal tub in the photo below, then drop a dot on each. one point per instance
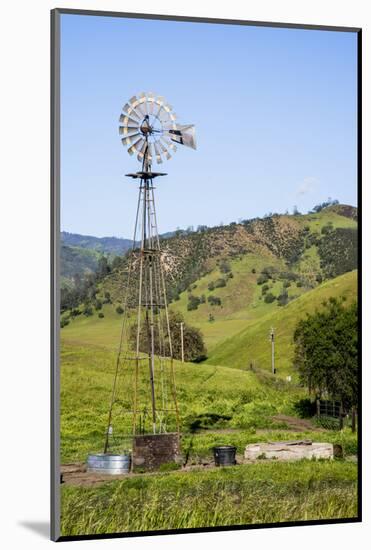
(109, 464)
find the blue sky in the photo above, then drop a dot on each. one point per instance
(274, 109)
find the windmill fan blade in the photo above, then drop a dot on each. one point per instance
(157, 108)
(158, 153)
(149, 155)
(184, 134)
(135, 148)
(127, 120)
(169, 144)
(161, 102)
(143, 106)
(165, 150)
(133, 99)
(170, 122)
(151, 102)
(129, 109)
(129, 140)
(134, 108)
(128, 129)
(142, 151)
(132, 117)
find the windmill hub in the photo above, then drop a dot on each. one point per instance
(145, 127)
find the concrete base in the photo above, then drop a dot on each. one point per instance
(289, 450)
(150, 451)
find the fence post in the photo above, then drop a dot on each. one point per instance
(353, 419)
(341, 416)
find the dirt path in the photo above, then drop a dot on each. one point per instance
(296, 424)
(76, 473)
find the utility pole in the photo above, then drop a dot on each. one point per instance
(182, 339)
(272, 344)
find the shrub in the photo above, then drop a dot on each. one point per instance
(98, 305)
(100, 315)
(75, 312)
(253, 270)
(299, 284)
(283, 298)
(193, 302)
(326, 229)
(224, 267)
(269, 271)
(107, 298)
(64, 322)
(88, 311)
(211, 286)
(305, 408)
(269, 298)
(214, 301)
(219, 283)
(263, 278)
(119, 310)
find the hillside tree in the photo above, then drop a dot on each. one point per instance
(326, 351)
(194, 347)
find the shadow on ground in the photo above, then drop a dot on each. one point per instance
(41, 528)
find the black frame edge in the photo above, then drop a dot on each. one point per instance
(195, 19)
(54, 283)
(360, 275)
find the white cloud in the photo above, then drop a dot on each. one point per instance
(308, 185)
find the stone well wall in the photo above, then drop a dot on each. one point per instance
(150, 451)
(289, 450)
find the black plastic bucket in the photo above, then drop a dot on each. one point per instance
(225, 455)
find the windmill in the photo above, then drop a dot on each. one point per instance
(148, 129)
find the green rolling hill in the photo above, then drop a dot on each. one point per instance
(235, 282)
(251, 345)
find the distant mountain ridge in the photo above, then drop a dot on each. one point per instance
(105, 245)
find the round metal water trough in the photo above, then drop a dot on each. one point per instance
(225, 455)
(109, 464)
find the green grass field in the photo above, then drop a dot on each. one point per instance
(238, 495)
(229, 496)
(86, 382)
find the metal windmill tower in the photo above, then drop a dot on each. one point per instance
(149, 130)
